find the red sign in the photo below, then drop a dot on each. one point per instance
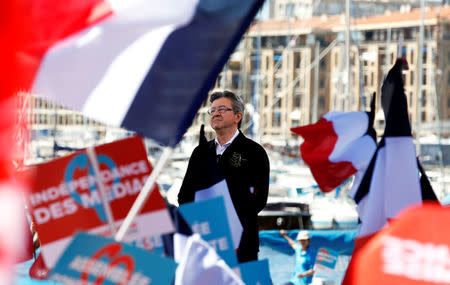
(65, 197)
(413, 249)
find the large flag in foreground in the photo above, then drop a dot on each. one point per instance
(339, 145)
(15, 239)
(391, 182)
(144, 65)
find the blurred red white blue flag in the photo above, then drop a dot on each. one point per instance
(144, 65)
(339, 145)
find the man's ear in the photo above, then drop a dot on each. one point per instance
(238, 117)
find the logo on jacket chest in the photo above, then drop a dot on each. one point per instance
(236, 160)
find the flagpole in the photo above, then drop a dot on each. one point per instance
(90, 151)
(145, 193)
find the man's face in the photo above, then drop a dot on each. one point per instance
(226, 120)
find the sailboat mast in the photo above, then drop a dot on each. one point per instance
(420, 75)
(255, 130)
(347, 55)
(316, 82)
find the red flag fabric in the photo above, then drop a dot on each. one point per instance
(13, 224)
(337, 146)
(413, 249)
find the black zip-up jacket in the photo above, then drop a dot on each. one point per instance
(245, 166)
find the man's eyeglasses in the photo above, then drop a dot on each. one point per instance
(221, 109)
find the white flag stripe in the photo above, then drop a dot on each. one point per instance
(358, 121)
(179, 245)
(201, 265)
(403, 186)
(394, 185)
(358, 152)
(374, 218)
(124, 76)
(118, 53)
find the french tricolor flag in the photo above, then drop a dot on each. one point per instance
(391, 182)
(339, 145)
(144, 65)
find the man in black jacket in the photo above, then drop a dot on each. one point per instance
(242, 162)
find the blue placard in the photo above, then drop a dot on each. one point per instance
(327, 257)
(154, 244)
(325, 266)
(208, 218)
(100, 260)
(256, 272)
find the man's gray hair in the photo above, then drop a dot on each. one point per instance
(236, 101)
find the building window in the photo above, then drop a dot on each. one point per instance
(235, 81)
(404, 51)
(278, 83)
(382, 59)
(277, 103)
(296, 60)
(296, 100)
(276, 119)
(411, 78)
(321, 102)
(410, 99)
(277, 57)
(322, 83)
(289, 9)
